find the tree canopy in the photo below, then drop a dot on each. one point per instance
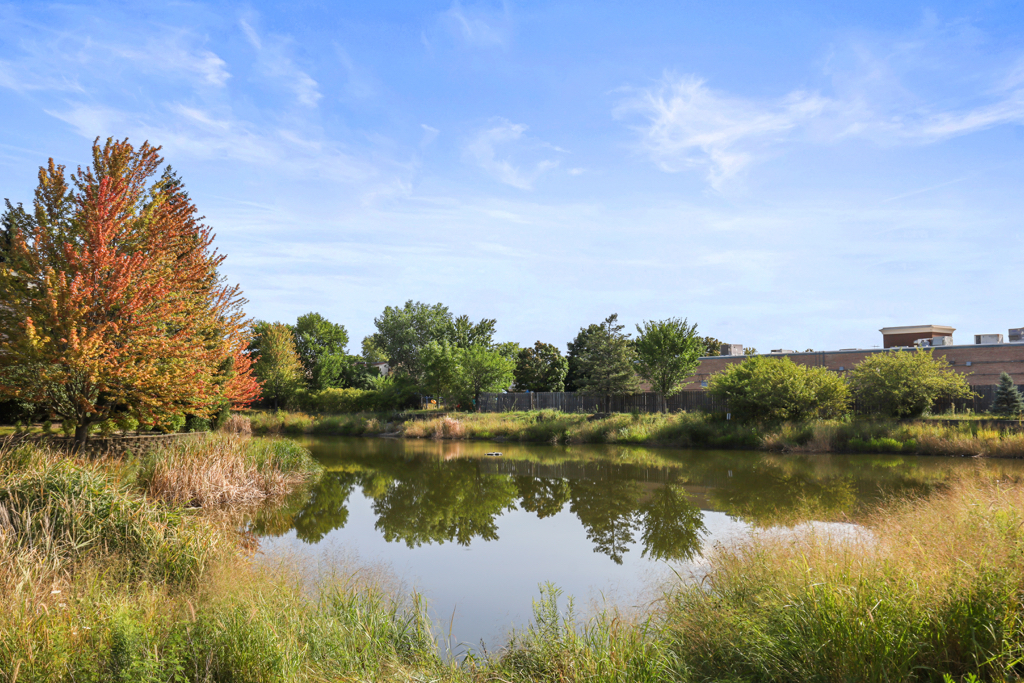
(604, 359)
(112, 303)
(541, 368)
(278, 366)
(403, 333)
(316, 339)
(667, 352)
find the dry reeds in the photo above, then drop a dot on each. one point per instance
(448, 428)
(225, 471)
(237, 424)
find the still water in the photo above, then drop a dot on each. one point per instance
(476, 534)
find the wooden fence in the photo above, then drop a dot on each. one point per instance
(572, 402)
(650, 402)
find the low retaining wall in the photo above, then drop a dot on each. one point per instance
(112, 446)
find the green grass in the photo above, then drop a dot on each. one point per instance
(679, 430)
(100, 581)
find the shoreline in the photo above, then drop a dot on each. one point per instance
(963, 438)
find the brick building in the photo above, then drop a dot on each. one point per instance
(982, 362)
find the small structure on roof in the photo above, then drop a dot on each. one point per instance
(912, 334)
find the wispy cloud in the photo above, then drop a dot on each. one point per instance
(204, 134)
(478, 26)
(487, 145)
(689, 125)
(879, 92)
(276, 63)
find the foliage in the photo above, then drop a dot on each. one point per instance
(483, 369)
(342, 371)
(541, 368)
(1008, 400)
(712, 346)
(278, 366)
(441, 370)
(605, 358)
(339, 401)
(112, 300)
(403, 333)
(317, 339)
(775, 390)
(667, 352)
(905, 383)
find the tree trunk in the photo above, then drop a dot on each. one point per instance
(81, 437)
(664, 403)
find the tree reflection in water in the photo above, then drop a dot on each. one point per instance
(418, 499)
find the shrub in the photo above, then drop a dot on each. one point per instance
(775, 390)
(905, 383)
(338, 401)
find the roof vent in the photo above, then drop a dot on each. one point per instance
(731, 350)
(988, 339)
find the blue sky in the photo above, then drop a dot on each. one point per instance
(791, 175)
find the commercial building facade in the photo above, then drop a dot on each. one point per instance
(982, 362)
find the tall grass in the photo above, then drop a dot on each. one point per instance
(99, 581)
(225, 471)
(608, 647)
(934, 589)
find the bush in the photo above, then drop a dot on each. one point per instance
(776, 390)
(338, 401)
(905, 383)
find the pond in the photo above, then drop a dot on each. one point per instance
(477, 534)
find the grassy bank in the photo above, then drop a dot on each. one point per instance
(106, 574)
(680, 430)
(133, 571)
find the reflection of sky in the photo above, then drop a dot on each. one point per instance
(490, 584)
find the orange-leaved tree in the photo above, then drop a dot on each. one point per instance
(110, 299)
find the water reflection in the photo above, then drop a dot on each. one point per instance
(427, 493)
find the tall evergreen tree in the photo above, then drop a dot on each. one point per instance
(606, 361)
(1008, 399)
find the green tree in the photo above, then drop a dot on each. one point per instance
(905, 383)
(605, 358)
(441, 372)
(541, 368)
(371, 352)
(1008, 399)
(465, 333)
(774, 390)
(667, 352)
(577, 348)
(278, 367)
(15, 221)
(482, 369)
(712, 346)
(403, 333)
(316, 338)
